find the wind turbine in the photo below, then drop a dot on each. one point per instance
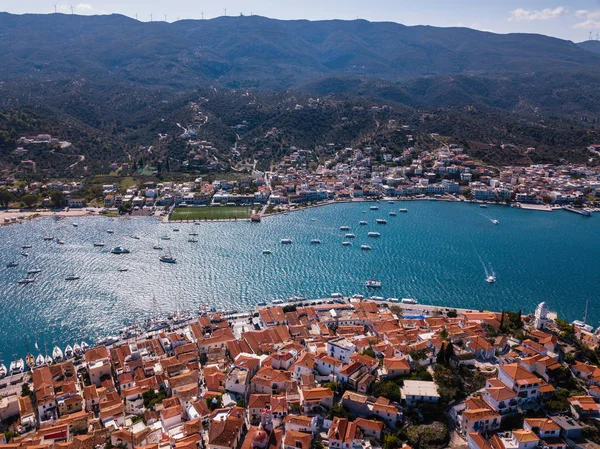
(202, 15)
(72, 9)
(590, 37)
(225, 11)
(55, 5)
(150, 17)
(165, 17)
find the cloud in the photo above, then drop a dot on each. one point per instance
(80, 8)
(521, 14)
(589, 19)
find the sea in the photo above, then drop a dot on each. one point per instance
(438, 252)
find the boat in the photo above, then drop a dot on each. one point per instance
(110, 231)
(374, 208)
(491, 279)
(377, 298)
(34, 271)
(403, 210)
(266, 251)
(350, 236)
(192, 241)
(84, 346)
(390, 202)
(75, 225)
(315, 241)
(194, 234)
(157, 247)
(167, 259)
(68, 352)
(30, 360)
(495, 222)
(48, 238)
(135, 237)
(336, 295)
(313, 219)
(175, 229)
(165, 237)
(346, 243)
(374, 234)
(362, 223)
(119, 250)
(122, 270)
(24, 254)
(77, 349)
(483, 206)
(286, 241)
(12, 264)
(393, 300)
(3, 370)
(57, 354)
(26, 281)
(60, 242)
(26, 247)
(16, 367)
(98, 243)
(39, 360)
(344, 228)
(409, 301)
(381, 221)
(371, 283)
(71, 277)
(365, 247)
(392, 214)
(48, 360)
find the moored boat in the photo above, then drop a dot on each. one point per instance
(39, 360)
(30, 360)
(409, 301)
(57, 354)
(16, 367)
(381, 221)
(119, 250)
(77, 349)
(167, 259)
(374, 234)
(34, 271)
(286, 241)
(315, 241)
(12, 264)
(68, 352)
(371, 283)
(365, 247)
(84, 346)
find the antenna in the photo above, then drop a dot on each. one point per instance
(202, 15)
(55, 5)
(72, 9)
(165, 17)
(150, 17)
(225, 11)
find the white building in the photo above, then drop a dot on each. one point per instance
(541, 316)
(341, 349)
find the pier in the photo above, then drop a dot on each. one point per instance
(585, 213)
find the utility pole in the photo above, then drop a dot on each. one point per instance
(202, 15)
(150, 17)
(225, 11)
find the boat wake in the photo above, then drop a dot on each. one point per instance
(490, 274)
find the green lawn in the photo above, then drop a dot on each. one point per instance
(211, 213)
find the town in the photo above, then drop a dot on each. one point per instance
(342, 373)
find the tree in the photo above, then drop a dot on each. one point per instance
(5, 197)
(452, 313)
(58, 199)
(391, 442)
(25, 390)
(339, 411)
(215, 402)
(370, 352)
(441, 356)
(443, 334)
(30, 200)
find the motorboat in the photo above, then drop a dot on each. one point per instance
(371, 283)
(175, 229)
(374, 207)
(77, 349)
(286, 241)
(165, 237)
(68, 352)
(12, 264)
(350, 236)
(409, 301)
(34, 271)
(490, 279)
(403, 210)
(99, 244)
(192, 241)
(393, 300)
(60, 242)
(84, 346)
(390, 202)
(158, 247)
(135, 237)
(392, 213)
(483, 206)
(27, 281)
(374, 234)
(122, 270)
(24, 254)
(167, 259)
(71, 277)
(377, 298)
(48, 238)
(346, 243)
(194, 234)
(266, 251)
(344, 228)
(110, 231)
(336, 295)
(26, 247)
(315, 241)
(495, 222)
(57, 354)
(16, 367)
(381, 221)
(362, 223)
(75, 225)
(119, 250)
(365, 247)
(39, 360)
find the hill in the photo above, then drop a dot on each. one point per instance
(592, 46)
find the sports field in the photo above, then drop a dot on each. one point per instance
(210, 213)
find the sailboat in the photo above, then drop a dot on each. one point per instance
(39, 360)
(84, 346)
(17, 366)
(3, 370)
(77, 349)
(57, 354)
(47, 360)
(29, 359)
(68, 352)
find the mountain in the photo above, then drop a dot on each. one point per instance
(593, 46)
(260, 52)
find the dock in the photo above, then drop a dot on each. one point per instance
(585, 213)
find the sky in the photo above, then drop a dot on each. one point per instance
(566, 19)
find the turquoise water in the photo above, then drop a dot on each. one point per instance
(437, 253)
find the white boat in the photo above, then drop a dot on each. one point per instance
(48, 360)
(286, 241)
(409, 301)
(48, 238)
(3, 370)
(26, 247)
(495, 222)
(16, 367)
(392, 214)
(381, 221)
(158, 247)
(346, 243)
(12, 264)
(483, 206)
(119, 250)
(57, 354)
(393, 300)
(34, 271)
(362, 223)
(315, 241)
(490, 279)
(374, 234)
(77, 349)
(390, 202)
(336, 295)
(60, 242)
(374, 208)
(350, 236)
(84, 346)
(403, 210)
(75, 225)
(24, 254)
(27, 281)
(39, 360)
(365, 247)
(167, 259)
(71, 277)
(266, 251)
(377, 298)
(68, 352)
(371, 283)
(110, 231)
(98, 243)
(344, 228)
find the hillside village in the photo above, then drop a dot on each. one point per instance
(341, 374)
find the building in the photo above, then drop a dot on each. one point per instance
(415, 391)
(541, 316)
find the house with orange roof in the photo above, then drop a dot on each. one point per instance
(257, 403)
(327, 366)
(499, 397)
(395, 367)
(171, 417)
(482, 348)
(268, 379)
(476, 441)
(478, 416)
(584, 407)
(258, 438)
(525, 384)
(369, 427)
(283, 359)
(98, 364)
(304, 365)
(519, 439)
(301, 423)
(134, 401)
(344, 434)
(315, 398)
(225, 428)
(26, 413)
(296, 440)
(341, 349)
(543, 427)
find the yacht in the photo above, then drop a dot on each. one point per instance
(403, 210)
(336, 295)
(409, 301)
(48, 238)
(157, 247)
(77, 349)
(57, 354)
(393, 300)
(491, 279)
(48, 360)
(346, 243)
(371, 283)
(26, 247)
(68, 352)
(365, 247)
(315, 241)
(350, 236)
(374, 234)
(84, 346)
(377, 298)
(26, 281)
(495, 222)
(122, 270)
(167, 259)
(374, 207)
(71, 277)
(286, 241)
(17, 367)
(12, 264)
(75, 225)
(483, 206)
(110, 231)
(98, 243)
(381, 221)
(362, 223)
(119, 250)
(344, 228)
(392, 214)
(39, 360)
(34, 271)
(192, 241)
(266, 251)
(30, 360)
(60, 242)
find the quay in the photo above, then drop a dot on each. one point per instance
(585, 213)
